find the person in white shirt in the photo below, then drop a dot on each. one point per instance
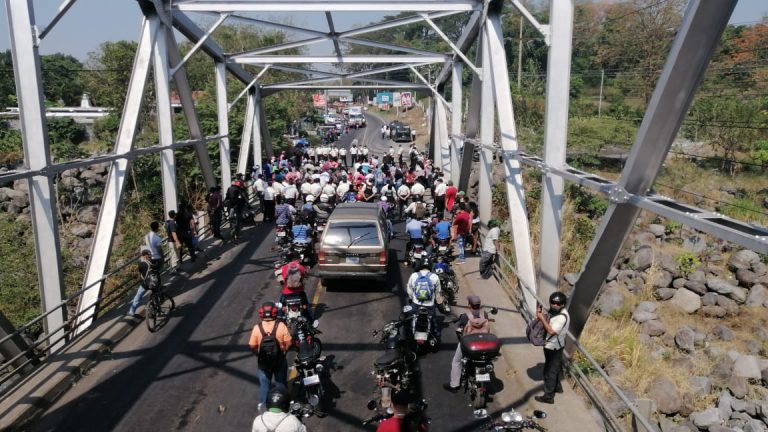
(383, 131)
(343, 156)
(315, 188)
(342, 189)
(329, 189)
(290, 193)
(311, 154)
(365, 152)
(440, 188)
(490, 248)
(417, 190)
(400, 154)
(325, 177)
(269, 201)
(277, 418)
(555, 322)
(278, 187)
(403, 193)
(353, 152)
(334, 152)
(306, 188)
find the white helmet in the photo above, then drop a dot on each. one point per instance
(323, 198)
(310, 198)
(384, 199)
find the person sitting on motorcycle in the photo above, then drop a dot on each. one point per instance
(423, 289)
(474, 322)
(403, 419)
(308, 209)
(283, 213)
(322, 209)
(292, 275)
(441, 231)
(300, 230)
(277, 417)
(414, 229)
(417, 209)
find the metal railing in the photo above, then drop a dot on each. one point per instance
(507, 275)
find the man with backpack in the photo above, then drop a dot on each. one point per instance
(149, 279)
(293, 274)
(423, 289)
(417, 209)
(473, 323)
(270, 340)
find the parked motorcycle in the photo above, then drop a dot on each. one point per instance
(448, 284)
(416, 253)
(420, 327)
(309, 364)
(303, 252)
(282, 235)
(444, 249)
(395, 370)
(514, 421)
(478, 353)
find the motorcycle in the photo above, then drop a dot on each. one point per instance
(478, 353)
(444, 249)
(320, 227)
(448, 284)
(303, 252)
(416, 253)
(419, 323)
(418, 410)
(309, 363)
(282, 235)
(394, 371)
(514, 421)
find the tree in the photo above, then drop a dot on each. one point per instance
(7, 85)
(111, 66)
(760, 154)
(61, 79)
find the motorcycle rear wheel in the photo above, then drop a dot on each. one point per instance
(480, 400)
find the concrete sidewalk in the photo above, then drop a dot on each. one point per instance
(524, 362)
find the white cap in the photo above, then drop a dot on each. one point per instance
(384, 199)
(323, 197)
(310, 198)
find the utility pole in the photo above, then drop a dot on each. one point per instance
(600, 102)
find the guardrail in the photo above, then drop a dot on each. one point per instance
(506, 273)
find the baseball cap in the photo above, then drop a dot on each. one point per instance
(473, 301)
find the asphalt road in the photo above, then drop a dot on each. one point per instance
(197, 373)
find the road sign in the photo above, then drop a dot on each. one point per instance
(405, 99)
(396, 99)
(318, 100)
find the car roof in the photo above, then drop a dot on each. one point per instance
(356, 210)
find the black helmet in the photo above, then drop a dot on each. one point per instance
(278, 398)
(558, 298)
(425, 263)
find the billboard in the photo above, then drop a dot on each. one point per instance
(396, 99)
(318, 100)
(406, 99)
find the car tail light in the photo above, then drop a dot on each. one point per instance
(383, 257)
(321, 257)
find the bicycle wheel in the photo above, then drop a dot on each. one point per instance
(152, 313)
(166, 304)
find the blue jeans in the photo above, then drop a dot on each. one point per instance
(460, 246)
(136, 300)
(265, 379)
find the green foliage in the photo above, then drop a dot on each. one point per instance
(65, 129)
(671, 226)
(687, 262)
(759, 154)
(7, 85)
(19, 294)
(585, 202)
(10, 143)
(108, 82)
(105, 128)
(595, 136)
(745, 208)
(584, 229)
(61, 79)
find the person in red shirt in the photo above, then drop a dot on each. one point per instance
(291, 286)
(450, 196)
(403, 419)
(462, 223)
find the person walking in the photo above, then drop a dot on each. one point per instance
(462, 223)
(555, 322)
(270, 340)
(269, 201)
(146, 282)
(153, 243)
(215, 210)
(174, 240)
(490, 249)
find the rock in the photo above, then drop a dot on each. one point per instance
(21, 186)
(738, 386)
(709, 299)
(700, 385)
(686, 300)
(698, 275)
(88, 174)
(699, 339)
(100, 168)
(730, 306)
(742, 259)
(667, 262)
(733, 355)
(695, 244)
(699, 288)
(69, 183)
(679, 283)
(81, 230)
(723, 332)
(662, 279)
(705, 419)
(645, 238)
(714, 352)
(664, 293)
(643, 316)
(719, 428)
(746, 277)
(615, 368)
(666, 425)
(762, 410)
(612, 273)
(666, 395)
(738, 405)
(716, 271)
(642, 258)
(754, 425)
(721, 372)
(764, 377)
(747, 366)
(85, 245)
(754, 347)
(683, 363)
(757, 296)
(657, 229)
(714, 311)
(751, 408)
(571, 278)
(616, 406)
(88, 214)
(759, 268)
(684, 339)
(610, 301)
(739, 294)
(653, 328)
(74, 172)
(646, 306)
(720, 286)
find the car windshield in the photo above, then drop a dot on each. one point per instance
(351, 233)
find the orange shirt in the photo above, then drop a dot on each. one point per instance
(283, 336)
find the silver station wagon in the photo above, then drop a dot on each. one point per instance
(355, 243)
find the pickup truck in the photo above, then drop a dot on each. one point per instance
(357, 120)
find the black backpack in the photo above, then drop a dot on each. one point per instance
(269, 348)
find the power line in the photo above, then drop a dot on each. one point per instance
(724, 203)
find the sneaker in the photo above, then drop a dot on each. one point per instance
(451, 389)
(261, 408)
(544, 399)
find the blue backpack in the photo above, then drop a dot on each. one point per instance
(423, 290)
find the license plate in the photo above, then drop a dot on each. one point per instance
(483, 377)
(353, 260)
(417, 254)
(420, 336)
(281, 233)
(320, 228)
(442, 248)
(311, 380)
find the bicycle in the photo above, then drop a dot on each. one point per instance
(234, 223)
(159, 309)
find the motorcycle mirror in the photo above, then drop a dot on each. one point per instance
(481, 413)
(279, 305)
(539, 414)
(372, 405)
(315, 324)
(494, 311)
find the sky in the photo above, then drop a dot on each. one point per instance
(86, 25)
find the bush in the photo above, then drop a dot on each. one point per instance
(584, 202)
(687, 263)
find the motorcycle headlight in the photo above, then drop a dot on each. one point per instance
(511, 416)
(407, 308)
(439, 271)
(319, 367)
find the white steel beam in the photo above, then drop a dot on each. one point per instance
(555, 140)
(115, 184)
(412, 59)
(472, 124)
(468, 37)
(221, 107)
(279, 26)
(327, 5)
(200, 43)
(332, 34)
(392, 24)
(282, 46)
(487, 121)
(270, 90)
(388, 46)
(165, 123)
(245, 139)
(63, 8)
(456, 50)
(697, 37)
(442, 140)
(256, 129)
(248, 87)
(456, 118)
(265, 136)
(544, 29)
(512, 170)
(37, 156)
(308, 72)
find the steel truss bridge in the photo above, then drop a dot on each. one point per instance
(490, 109)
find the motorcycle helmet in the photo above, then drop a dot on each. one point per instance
(278, 398)
(310, 198)
(324, 198)
(558, 298)
(384, 199)
(268, 311)
(424, 263)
